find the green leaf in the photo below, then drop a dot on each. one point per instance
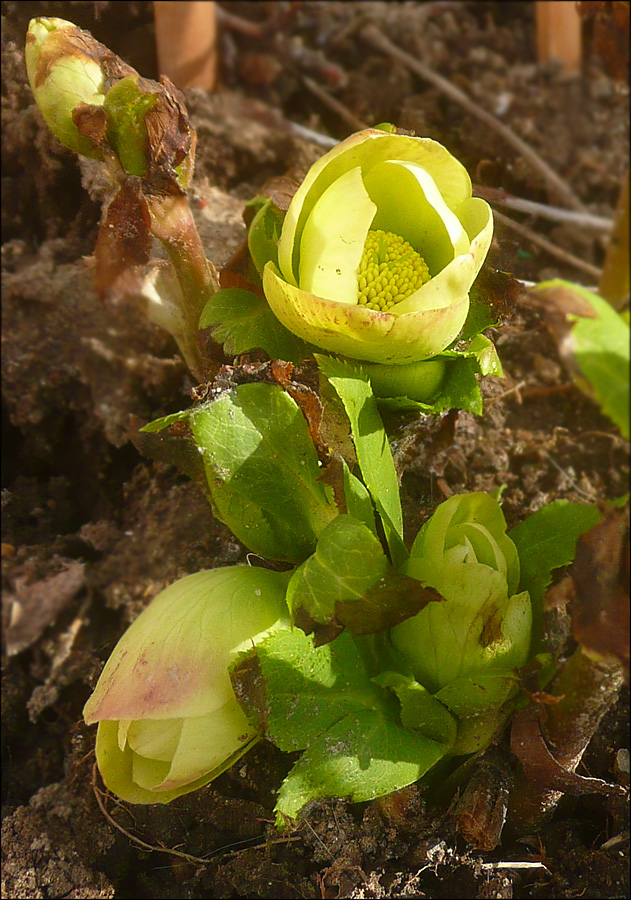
(419, 709)
(164, 422)
(363, 756)
(593, 338)
(350, 582)
(322, 699)
(545, 541)
(371, 445)
(263, 234)
(601, 351)
(358, 502)
(242, 321)
(263, 471)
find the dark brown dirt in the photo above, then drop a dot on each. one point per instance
(92, 531)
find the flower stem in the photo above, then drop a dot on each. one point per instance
(173, 224)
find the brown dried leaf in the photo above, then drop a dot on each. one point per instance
(387, 604)
(540, 766)
(124, 242)
(600, 572)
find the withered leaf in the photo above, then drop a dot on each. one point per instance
(386, 604)
(540, 766)
(600, 572)
(124, 242)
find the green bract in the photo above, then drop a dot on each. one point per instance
(168, 718)
(465, 649)
(379, 248)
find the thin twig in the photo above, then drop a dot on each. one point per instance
(548, 246)
(562, 188)
(322, 140)
(554, 213)
(160, 848)
(342, 111)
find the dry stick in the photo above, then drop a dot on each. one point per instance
(337, 107)
(160, 848)
(549, 247)
(562, 188)
(554, 213)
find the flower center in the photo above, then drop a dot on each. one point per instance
(389, 271)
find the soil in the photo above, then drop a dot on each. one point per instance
(92, 531)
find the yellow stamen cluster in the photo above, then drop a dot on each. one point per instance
(390, 270)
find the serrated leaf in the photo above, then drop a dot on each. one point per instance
(349, 560)
(363, 756)
(322, 699)
(263, 471)
(545, 541)
(371, 445)
(242, 320)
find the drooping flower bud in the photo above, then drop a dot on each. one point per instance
(169, 721)
(64, 75)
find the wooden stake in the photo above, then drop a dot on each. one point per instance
(186, 40)
(559, 32)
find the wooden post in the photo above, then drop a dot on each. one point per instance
(559, 32)
(186, 41)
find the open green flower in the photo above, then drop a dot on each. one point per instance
(465, 649)
(169, 721)
(379, 248)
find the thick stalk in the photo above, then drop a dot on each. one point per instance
(173, 224)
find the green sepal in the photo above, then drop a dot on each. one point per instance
(127, 107)
(264, 232)
(242, 321)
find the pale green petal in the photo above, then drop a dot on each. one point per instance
(362, 333)
(366, 149)
(485, 547)
(477, 219)
(450, 286)
(171, 663)
(333, 239)
(209, 743)
(155, 738)
(410, 204)
(116, 768)
(148, 773)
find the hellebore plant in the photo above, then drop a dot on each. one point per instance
(367, 274)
